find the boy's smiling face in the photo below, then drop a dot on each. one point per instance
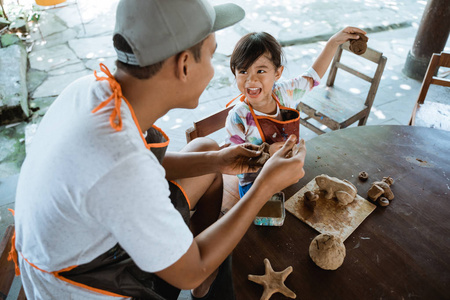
(257, 81)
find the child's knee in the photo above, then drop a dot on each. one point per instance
(202, 144)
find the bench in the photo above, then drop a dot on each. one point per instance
(7, 273)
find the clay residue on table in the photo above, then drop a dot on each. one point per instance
(418, 162)
(328, 216)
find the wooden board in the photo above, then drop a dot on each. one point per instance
(328, 216)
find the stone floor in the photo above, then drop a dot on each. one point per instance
(69, 45)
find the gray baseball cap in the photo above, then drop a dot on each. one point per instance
(158, 29)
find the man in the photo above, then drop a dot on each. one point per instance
(100, 211)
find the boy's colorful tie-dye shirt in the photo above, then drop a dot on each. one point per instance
(241, 126)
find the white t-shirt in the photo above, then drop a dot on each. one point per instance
(85, 187)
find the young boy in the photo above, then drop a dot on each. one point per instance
(267, 111)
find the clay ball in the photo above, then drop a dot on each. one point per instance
(359, 46)
(327, 251)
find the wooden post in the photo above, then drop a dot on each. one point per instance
(431, 38)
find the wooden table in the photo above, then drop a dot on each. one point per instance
(400, 251)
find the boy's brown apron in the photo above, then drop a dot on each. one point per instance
(114, 273)
(273, 130)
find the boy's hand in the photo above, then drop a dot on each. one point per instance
(235, 159)
(348, 33)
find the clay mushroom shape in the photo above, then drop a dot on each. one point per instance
(327, 251)
(379, 188)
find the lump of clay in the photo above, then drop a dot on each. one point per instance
(327, 251)
(359, 46)
(344, 191)
(273, 282)
(389, 180)
(261, 159)
(310, 200)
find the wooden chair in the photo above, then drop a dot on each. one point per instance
(208, 125)
(335, 107)
(205, 127)
(7, 273)
(434, 114)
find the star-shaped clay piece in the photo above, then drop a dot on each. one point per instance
(273, 281)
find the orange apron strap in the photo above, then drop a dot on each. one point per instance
(13, 252)
(159, 145)
(184, 193)
(57, 275)
(276, 99)
(241, 99)
(263, 137)
(14, 257)
(118, 96)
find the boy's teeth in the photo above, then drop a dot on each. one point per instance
(253, 91)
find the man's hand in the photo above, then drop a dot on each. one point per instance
(285, 166)
(235, 159)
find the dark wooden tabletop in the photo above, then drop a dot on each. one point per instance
(401, 251)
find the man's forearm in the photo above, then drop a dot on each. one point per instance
(217, 241)
(190, 164)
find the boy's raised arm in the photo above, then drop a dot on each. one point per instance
(322, 62)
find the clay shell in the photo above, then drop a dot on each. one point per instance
(383, 201)
(363, 176)
(327, 251)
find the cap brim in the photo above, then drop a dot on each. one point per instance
(226, 15)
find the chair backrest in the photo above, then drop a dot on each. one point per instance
(208, 125)
(7, 272)
(437, 61)
(337, 108)
(371, 55)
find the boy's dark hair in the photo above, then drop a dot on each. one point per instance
(251, 46)
(148, 71)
